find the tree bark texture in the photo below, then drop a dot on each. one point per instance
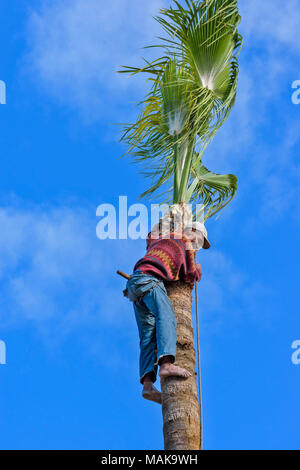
(180, 409)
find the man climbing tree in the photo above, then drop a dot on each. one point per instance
(194, 85)
(169, 257)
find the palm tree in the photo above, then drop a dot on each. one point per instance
(193, 89)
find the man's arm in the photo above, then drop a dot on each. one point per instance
(192, 276)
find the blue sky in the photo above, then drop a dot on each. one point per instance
(71, 378)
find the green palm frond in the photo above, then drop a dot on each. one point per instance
(163, 125)
(174, 93)
(210, 190)
(206, 35)
(193, 90)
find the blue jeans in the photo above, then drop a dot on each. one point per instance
(155, 319)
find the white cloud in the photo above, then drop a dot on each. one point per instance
(76, 46)
(56, 274)
(229, 295)
(267, 67)
(272, 20)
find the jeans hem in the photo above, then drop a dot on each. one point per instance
(172, 358)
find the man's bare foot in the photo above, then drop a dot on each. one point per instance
(169, 370)
(152, 394)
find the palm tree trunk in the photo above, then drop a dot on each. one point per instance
(181, 425)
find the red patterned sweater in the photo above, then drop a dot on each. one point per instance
(168, 258)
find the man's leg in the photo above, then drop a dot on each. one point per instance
(148, 369)
(159, 304)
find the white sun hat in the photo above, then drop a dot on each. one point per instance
(198, 226)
